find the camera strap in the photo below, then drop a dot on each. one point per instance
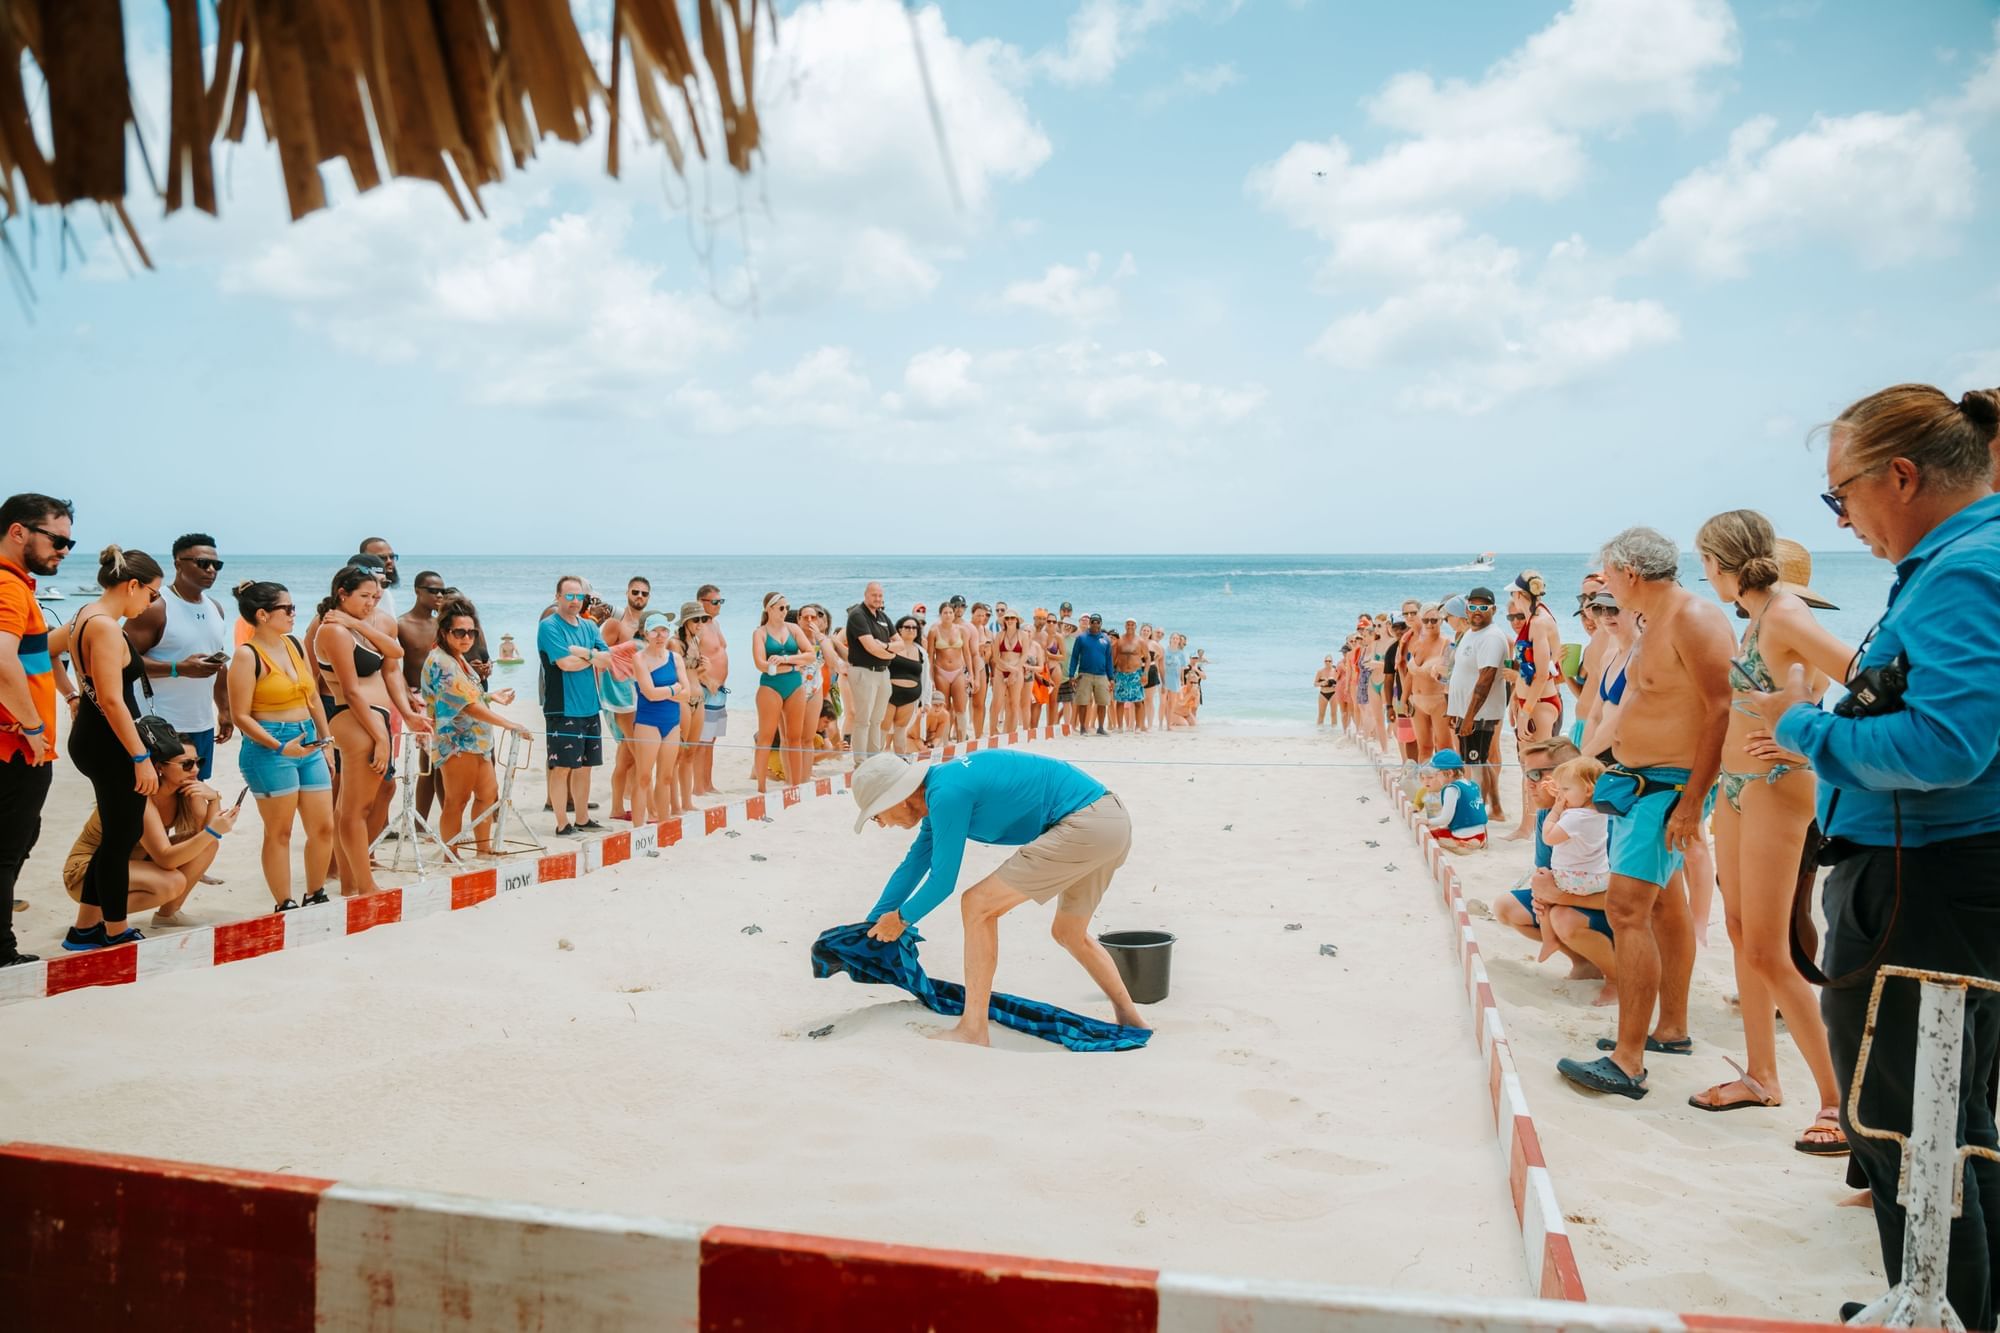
(1805, 936)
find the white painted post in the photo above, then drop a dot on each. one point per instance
(1932, 1168)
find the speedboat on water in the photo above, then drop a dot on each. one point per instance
(50, 595)
(1483, 561)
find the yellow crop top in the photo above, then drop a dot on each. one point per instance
(276, 691)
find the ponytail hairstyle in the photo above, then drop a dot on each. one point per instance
(345, 582)
(253, 595)
(1530, 584)
(1951, 443)
(1741, 542)
(116, 565)
(764, 618)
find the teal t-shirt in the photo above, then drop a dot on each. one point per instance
(567, 693)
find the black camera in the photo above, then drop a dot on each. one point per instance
(1877, 690)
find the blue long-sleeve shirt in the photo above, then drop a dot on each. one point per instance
(1090, 655)
(1004, 798)
(1939, 756)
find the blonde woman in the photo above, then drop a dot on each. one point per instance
(781, 659)
(1427, 670)
(1768, 800)
(666, 690)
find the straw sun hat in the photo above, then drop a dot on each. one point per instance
(1795, 574)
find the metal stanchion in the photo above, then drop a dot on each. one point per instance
(412, 830)
(519, 748)
(1932, 1181)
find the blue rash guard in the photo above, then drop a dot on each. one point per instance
(1090, 655)
(1000, 797)
(1939, 758)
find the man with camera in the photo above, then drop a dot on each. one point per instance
(1909, 763)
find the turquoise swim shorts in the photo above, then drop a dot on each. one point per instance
(1638, 848)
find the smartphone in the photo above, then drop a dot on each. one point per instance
(1739, 675)
(237, 804)
(217, 658)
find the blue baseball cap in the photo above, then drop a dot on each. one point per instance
(1455, 607)
(1446, 759)
(658, 620)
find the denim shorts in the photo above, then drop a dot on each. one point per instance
(272, 774)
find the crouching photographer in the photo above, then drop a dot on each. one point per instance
(1910, 788)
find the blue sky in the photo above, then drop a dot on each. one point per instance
(1253, 276)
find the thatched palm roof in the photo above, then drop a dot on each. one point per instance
(441, 90)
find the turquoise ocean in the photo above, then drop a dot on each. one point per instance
(1265, 621)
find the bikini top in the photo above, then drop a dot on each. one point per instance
(278, 690)
(366, 660)
(1611, 689)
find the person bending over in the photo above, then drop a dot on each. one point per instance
(1072, 834)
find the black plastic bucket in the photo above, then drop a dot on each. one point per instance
(1145, 960)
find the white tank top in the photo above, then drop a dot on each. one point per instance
(193, 629)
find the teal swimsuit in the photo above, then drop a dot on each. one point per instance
(1753, 661)
(787, 680)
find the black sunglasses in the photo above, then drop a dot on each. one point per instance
(286, 607)
(461, 634)
(61, 543)
(433, 590)
(214, 566)
(186, 765)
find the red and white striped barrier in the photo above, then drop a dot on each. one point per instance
(233, 941)
(91, 1241)
(1545, 1239)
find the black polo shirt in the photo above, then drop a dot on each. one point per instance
(860, 621)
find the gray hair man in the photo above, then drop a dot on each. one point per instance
(1667, 749)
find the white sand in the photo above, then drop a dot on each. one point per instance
(1670, 1206)
(1296, 1116)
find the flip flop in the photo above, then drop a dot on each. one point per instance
(1603, 1075)
(1758, 1095)
(1678, 1046)
(1829, 1116)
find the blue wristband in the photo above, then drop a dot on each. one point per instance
(35, 730)
(211, 833)
(141, 757)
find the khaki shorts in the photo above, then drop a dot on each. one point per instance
(1092, 689)
(1075, 858)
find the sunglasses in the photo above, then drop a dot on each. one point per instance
(1516, 617)
(211, 566)
(1835, 501)
(285, 607)
(1536, 774)
(713, 601)
(1604, 610)
(433, 590)
(638, 596)
(1479, 606)
(59, 542)
(1430, 620)
(576, 597)
(185, 765)
(461, 634)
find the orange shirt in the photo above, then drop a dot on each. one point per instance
(21, 616)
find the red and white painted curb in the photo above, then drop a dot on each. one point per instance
(1544, 1237)
(234, 941)
(93, 1241)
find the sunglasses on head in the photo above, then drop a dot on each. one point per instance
(211, 566)
(61, 543)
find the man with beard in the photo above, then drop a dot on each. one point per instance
(186, 639)
(34, 537)
(381, 549)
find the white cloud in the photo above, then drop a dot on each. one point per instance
(1474, 320)
(547, 315)
(1981, 95)
(856, 202)
(1102, 33)
(937, 381)
(1069, 293)
(1206, 81)
(1892, 187)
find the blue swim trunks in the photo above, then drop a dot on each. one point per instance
(1128, 687)
(1638, 848)
(1598, 921)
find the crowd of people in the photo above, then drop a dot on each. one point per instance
(1671, 753)
(157, 673)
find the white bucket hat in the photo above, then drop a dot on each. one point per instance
(882, 782)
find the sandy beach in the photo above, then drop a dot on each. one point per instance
(620, 1042)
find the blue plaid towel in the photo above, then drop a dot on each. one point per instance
(848, 949)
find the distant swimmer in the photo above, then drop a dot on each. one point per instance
(1072, 834)
(510, 653)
